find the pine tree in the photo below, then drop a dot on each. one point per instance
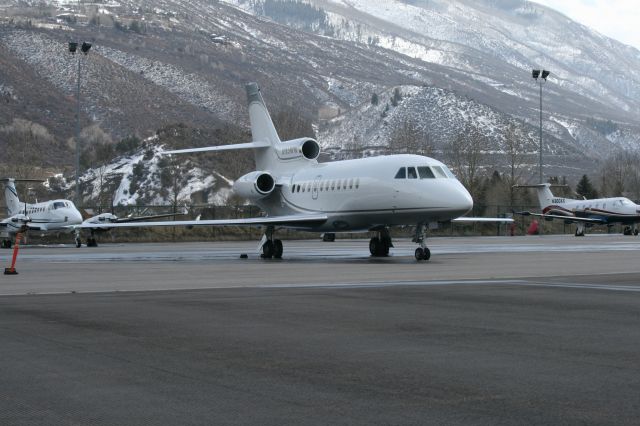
(585, 188)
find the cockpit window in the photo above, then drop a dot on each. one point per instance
(425, 173)
(439, 172)
(58, 205)
(411, 173)
(449, 172)
(402, 173)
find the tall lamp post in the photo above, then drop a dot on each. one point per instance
(73, 48)
(540, 78)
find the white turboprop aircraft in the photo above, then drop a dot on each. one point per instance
(599, 211)
(52, 217)
(362, 195)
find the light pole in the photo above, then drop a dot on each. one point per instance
(540, 78)
(73, 48)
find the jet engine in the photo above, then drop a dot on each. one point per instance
(298, 148)
(254, 185)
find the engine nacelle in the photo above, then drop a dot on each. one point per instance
(298, 148)
(254, 185)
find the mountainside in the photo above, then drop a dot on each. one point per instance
(457, 65)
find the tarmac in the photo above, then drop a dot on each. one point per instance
(491, 330)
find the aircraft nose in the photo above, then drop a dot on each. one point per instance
(463, 199)
(76, 216)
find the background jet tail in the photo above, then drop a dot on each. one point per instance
(11, 197)
(543, 190)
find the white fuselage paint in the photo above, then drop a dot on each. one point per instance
(46, 217)
(362, 194)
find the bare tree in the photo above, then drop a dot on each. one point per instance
(407, 138)
(465, 153)
(354, 147)
(514, 149)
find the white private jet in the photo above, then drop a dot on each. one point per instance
(53, 217)
(362, 195)
(599, 211)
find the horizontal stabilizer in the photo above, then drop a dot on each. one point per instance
(249, 145)
(275, 220)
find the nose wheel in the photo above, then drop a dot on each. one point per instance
(422, 252)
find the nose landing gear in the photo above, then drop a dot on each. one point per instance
(422, 252)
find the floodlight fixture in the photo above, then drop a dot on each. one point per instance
(85, 47)
(73, 46)
(535, 74)
(545, 74)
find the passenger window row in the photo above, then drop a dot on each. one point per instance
(425, 172)
(327, 185)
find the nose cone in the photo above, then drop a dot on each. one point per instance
(463, 200)
(75, 216)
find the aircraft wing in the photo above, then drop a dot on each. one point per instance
(565, 218)
(141, 218)
(465, 219)
(273, 220)
(249, 145)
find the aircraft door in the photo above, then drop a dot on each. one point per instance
(316, 185)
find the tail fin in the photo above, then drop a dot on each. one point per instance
(11, 197)
(545, 196)
(262, 128)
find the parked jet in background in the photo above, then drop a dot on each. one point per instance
(362, 195)
(600, 211)
(53, 217)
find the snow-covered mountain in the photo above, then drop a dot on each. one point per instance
(457, 62)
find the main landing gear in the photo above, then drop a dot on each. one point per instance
(422, 252)
(630, 230)
(380, 244)
(271, 248)
(91, 241)
(6, 244)
(579, 231)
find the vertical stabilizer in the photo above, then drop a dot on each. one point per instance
(262, 128)
(11, 197)
(545, 196)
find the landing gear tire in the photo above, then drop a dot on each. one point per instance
(6, 244)
(374, 244)
(635, 232)
(422, 253)
(277, 249)
(627, 230)
(268, 250)
(328, 237)
(579, 233)
(91, 242)
(378, 247)
(78, 243)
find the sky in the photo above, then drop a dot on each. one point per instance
(618, 19)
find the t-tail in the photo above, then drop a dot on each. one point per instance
(11, 197)
(272, 155)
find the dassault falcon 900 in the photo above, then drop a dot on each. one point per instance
(362, 195)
